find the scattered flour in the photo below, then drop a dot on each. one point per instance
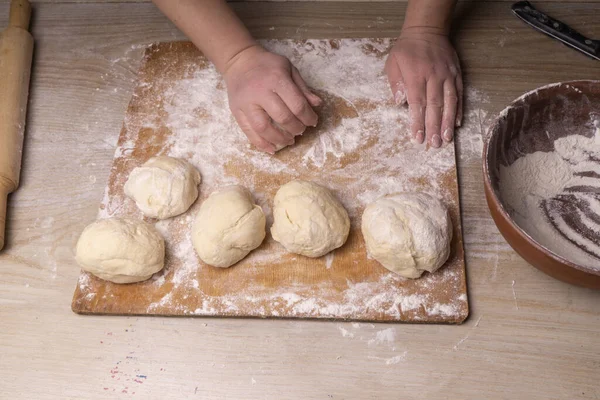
(346, 333)
(384, 336)
(396, 359)
(329, 259)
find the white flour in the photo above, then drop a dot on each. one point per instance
(538, 177)
(533, 178)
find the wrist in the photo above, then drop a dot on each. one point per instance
(429, 16)
(243, 53)
(420, 31)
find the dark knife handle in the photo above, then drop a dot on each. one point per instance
(555, 28)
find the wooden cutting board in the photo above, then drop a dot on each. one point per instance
(360, 150)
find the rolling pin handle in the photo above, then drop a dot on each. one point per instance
(20, 14)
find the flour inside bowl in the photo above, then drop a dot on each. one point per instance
(555, 197)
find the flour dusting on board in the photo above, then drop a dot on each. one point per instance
(207, 141)
(361, 150)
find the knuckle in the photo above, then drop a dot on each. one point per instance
(433, 124)
(415, 100)
(259, 125)
(255, 141)
(424, 69)
(299, 107)
(416, 96)
(279, 140)
(435, 102)
(285, 117)
(255, 85)
(451, 98)
(283, 81)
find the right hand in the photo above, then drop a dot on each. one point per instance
(423, 70)
(268, 98)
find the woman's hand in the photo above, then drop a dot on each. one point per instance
(423, 69)
(267, 95)
(268, 98)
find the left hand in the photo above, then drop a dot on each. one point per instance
(423, 69)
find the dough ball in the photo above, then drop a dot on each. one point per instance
(309, 220)
(228, 227)
(120, 250)
(408, 233)
(163, 187)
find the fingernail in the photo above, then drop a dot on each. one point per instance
(301, 132)
(420, 137)
(458, 122)
(436, 141)
(447, 135)
(400, 97)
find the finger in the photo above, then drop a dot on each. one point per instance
(433, 114)
(312, 98)
(416, 97)
(397, 85)
(459, 94)
(296, 102)
(261, 124)
(282, 115)
(253, 137)
(449, 115)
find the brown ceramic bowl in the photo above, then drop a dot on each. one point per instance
(532, 123)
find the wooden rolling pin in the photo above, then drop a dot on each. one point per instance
(16, 51)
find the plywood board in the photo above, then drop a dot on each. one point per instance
(360, 150)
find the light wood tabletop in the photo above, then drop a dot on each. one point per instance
(528, 336)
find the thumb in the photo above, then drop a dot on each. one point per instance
(397, 85)
(312, 98)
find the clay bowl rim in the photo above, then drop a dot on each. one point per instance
(492, 133)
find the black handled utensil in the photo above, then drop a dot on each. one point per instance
(556, 29)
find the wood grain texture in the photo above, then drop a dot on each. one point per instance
(269, 283)
(528, 336)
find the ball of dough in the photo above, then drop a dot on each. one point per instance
(228, 227)
(309, 220)
(163, 187)
(408, 233)
(120, 250)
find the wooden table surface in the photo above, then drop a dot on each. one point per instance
(528, 337)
